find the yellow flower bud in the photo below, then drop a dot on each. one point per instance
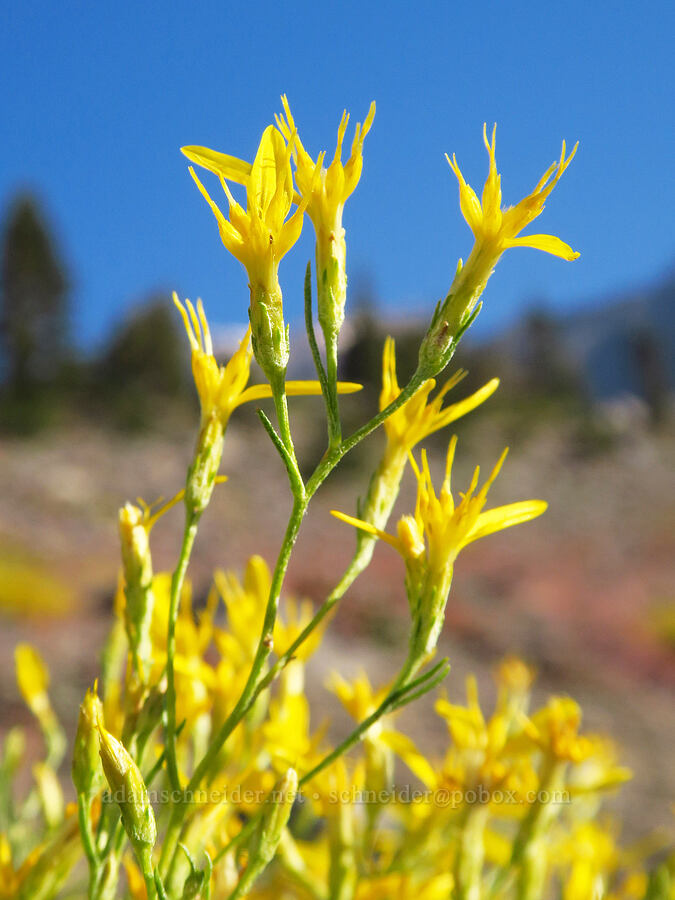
(86, 767)
(129, 791)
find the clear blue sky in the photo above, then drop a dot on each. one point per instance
(98, 97)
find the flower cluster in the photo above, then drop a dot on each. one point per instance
(198, 768)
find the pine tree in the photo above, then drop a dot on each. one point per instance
(33, 307)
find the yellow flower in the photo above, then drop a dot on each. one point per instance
(498, 229)
(495, 230)
(439, 529)
(222, 389)
(325, 190)
(419, 417)
(32, 678)
(555, 730)
(430, 540)
(260, 235)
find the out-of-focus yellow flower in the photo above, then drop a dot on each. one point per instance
(222, 389)
(420, 417)
(591, 855)
(405, 887)
(12, 878)
(260, 235)
(439, 529)
(50, 793)
(290, 624)
(245, 603)
(32, 678)
(496, 229)
(555, 730)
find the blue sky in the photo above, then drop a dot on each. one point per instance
(98, 97)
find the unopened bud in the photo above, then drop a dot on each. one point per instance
(138, 582)
(203, 472)
(275, 817)
(129, 791)
(331, 281)
(269, 333)
(86, 768)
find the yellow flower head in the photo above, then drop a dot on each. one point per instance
(555, 730)
(325, 190)
(358, 696)
(222, 389)
(260, 235)
(419, 417)
(499, 227)
(440, 528)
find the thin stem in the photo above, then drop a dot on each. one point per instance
(333, 408)
(401, 693)
(333, 457)
(177, 580)
(145, 859)
(244, 703)
(88, 842)
(281, 407)
(327, 379)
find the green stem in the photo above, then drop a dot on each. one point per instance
(177, 580)
(244, 703)
(88, 842)
(328, 380)
(333, 408)
(145, 859)
(403, 691)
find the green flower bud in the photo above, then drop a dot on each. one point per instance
(332, 282)
(129, 791)
(203, 472)
(137, 562)
(86, 767)
(269, 333)
(277, 811)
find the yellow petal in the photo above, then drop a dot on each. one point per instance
(237, 170)
(405, 748)
(546, 242)
(368, 528)
(295, 389)
(504, 517)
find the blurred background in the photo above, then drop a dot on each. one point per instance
(99, 221)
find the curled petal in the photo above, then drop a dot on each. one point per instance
(546, 242)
